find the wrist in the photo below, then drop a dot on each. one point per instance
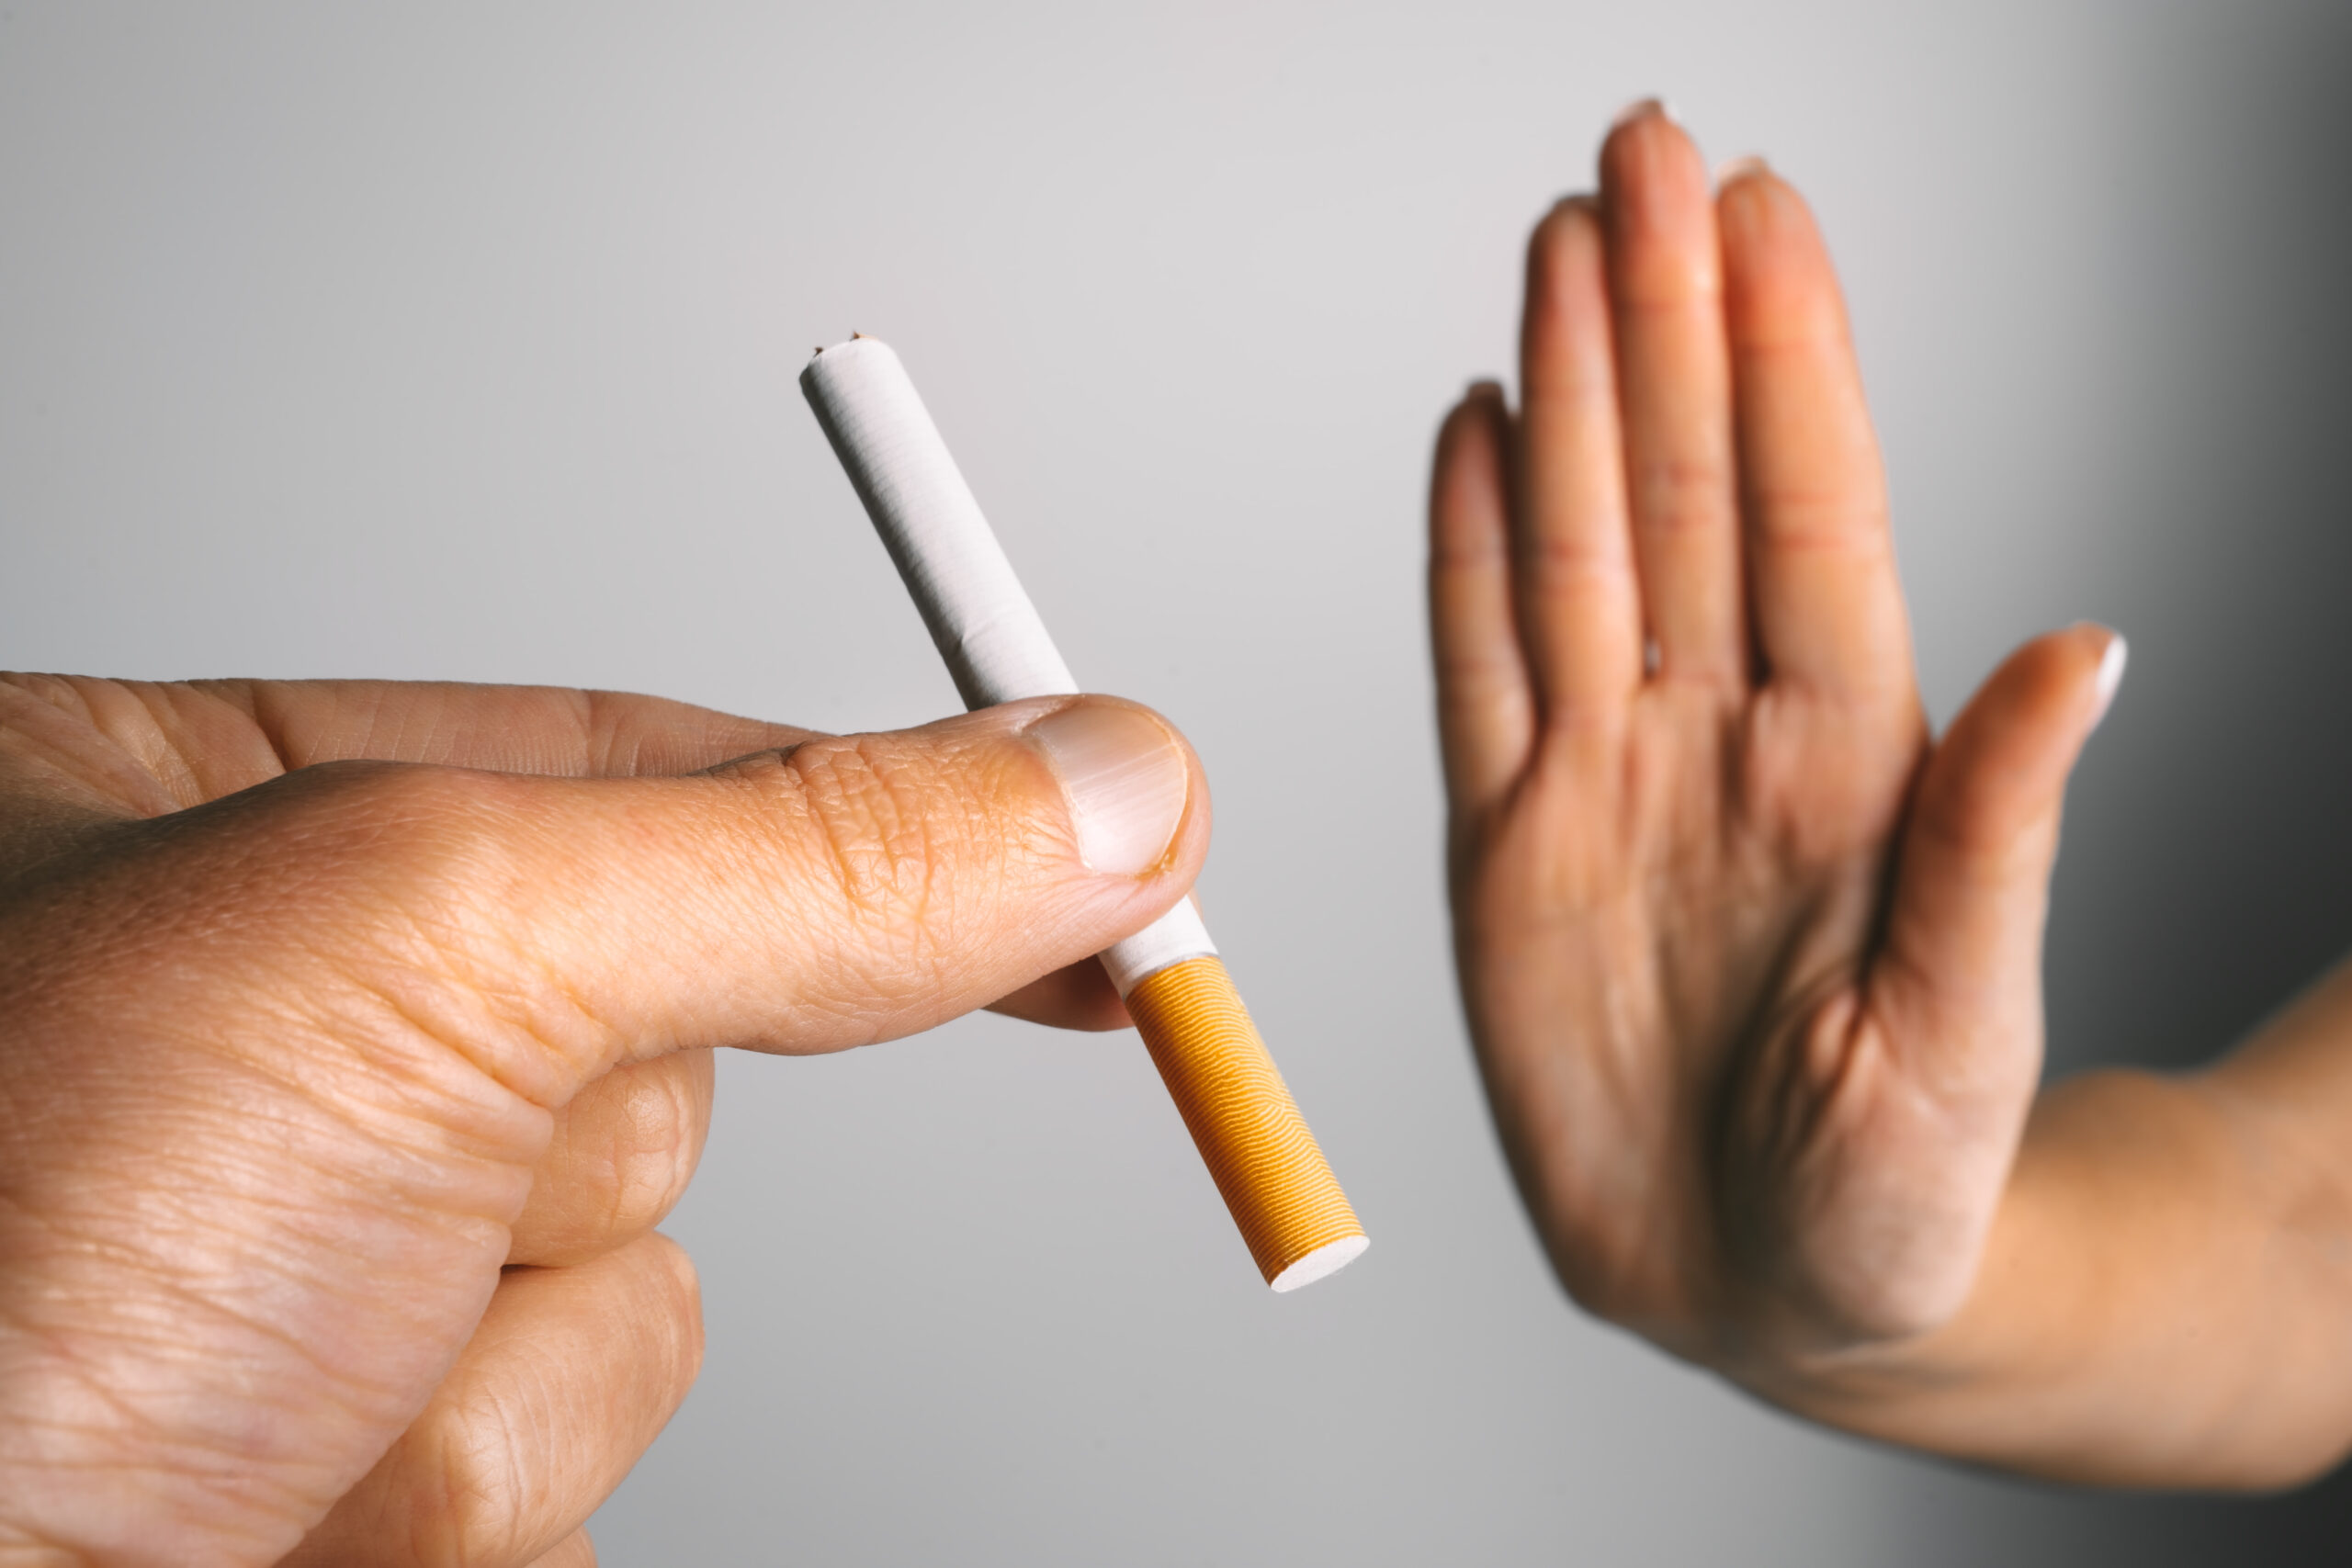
(2135, 1319)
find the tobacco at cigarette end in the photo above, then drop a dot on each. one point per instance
(1297, 1223)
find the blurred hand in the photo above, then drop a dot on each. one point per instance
(1751, 965)
(354, 1036)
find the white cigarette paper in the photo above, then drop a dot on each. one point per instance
(1288, 1206)
(990, 636)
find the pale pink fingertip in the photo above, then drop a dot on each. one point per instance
(1642, 109)
(1733, 170)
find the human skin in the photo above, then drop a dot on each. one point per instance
(1751, 962)
(354, 1037)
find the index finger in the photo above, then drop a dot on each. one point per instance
(147, 747)
(87, 750)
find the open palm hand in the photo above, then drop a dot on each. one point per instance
(1751, 966)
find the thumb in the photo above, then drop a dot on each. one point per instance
(1964, 941)
(841, 891)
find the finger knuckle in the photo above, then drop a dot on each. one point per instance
(887, 837)
(416, 894)
(463, 1500)
(1665, 292)
(655, 1143)
(436, 839)
(332, 873)
(1797, 520)
(1563, 558)
(1684, 493)
(472, 1477)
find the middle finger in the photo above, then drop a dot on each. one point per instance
(1674, 383)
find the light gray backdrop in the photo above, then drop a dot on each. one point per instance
(459, 342)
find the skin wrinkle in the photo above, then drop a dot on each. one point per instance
(46, 726)
(180, 719)
(121, 711)
(485, 1450)
(1815, 1068)
(73, 1349)
(1842, 538)
(369, 726)
(599, 726)
(50, 690)
(1652, 289)
(646, 1155)
(254, 699)
(584, 748)
(1680, 495)
(870, 838)
(176, 1144)
(1555, 563)
(739, 853)
(801, 777)
(402, 1097)
(193, 1214)
(473, 1448)
(270, 708)
(640, 1186)
(254, 1286)
(202, 1460)
(554, 1008)
(415, 998)
(406, 1086)
(475, 879)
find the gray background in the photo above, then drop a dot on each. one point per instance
(451, 343)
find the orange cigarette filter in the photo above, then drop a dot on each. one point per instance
(1296, 1222)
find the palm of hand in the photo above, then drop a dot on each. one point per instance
(1663, 942)
(1748, 966)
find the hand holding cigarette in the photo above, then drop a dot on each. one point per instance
(354, 1037)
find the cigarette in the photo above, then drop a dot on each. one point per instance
(1274, 1180)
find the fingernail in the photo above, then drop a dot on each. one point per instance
(1125, 778)
(1641, 108)
(2111, 676)
(1741, 168)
